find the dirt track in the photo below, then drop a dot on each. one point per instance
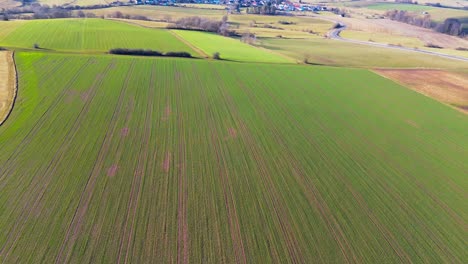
(7, 84)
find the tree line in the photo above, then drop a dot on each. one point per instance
(450, 26)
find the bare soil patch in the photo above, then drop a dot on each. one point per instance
(167, 162)
(112, 170)
(7, 84)
(444, 86)
(167, 113)
(124, 131)
(232, 132)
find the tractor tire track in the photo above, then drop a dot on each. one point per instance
(182, 221)
(388, 236)
(232, 215)
(402, 202)
(85, 197)
(41, 188)
(139, 174)
(39, 124)
(282, 216)
(312, 194)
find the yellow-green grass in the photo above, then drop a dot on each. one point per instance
(383, 38)
(6, 27)
(394, 6)
(440, 14)
(229, 48)
(90, 35)
(116, 159)
(451, 3)
(301, 26)
(461, 53)
(437, 14)
(144, 23)
(333, 52)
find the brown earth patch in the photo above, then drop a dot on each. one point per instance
(167, 113)
(7, 84)
(112, 170)
(232, 132)
(124, 131)
(84, 96)
(70, 96)
(447, 87)
(412, 123)
(167, 162)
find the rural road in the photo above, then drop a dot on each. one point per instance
(335, 34)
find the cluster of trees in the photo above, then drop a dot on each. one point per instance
(118, 14)
(148, 52)
(410, 18)
(267, 9)
(249, 38)
(450, 26)
(202, 24)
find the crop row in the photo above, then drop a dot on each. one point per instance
(117, 159)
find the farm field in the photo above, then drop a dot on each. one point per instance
(382, 38)
(437, 14)
(393, 31)
(336, 53)
(448, 87)
(230, 49)
(300, 26)
(90, 35)
(391, 6)
(7, 84)
(205, 161)
(405, 41)
(451, 3)
(162, 12)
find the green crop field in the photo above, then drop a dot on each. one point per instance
(111, 159)
(406, 7)
(229, 48)
(331, 52)
(87, 35)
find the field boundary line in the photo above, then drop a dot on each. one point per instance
(39, 123)
(56, 160)
(286, 57)
(459, 109)
(14, 80)
(186, 42)
(138, 179)
(313, 195)
(335, 35)
(84, 200)
(226, 182)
